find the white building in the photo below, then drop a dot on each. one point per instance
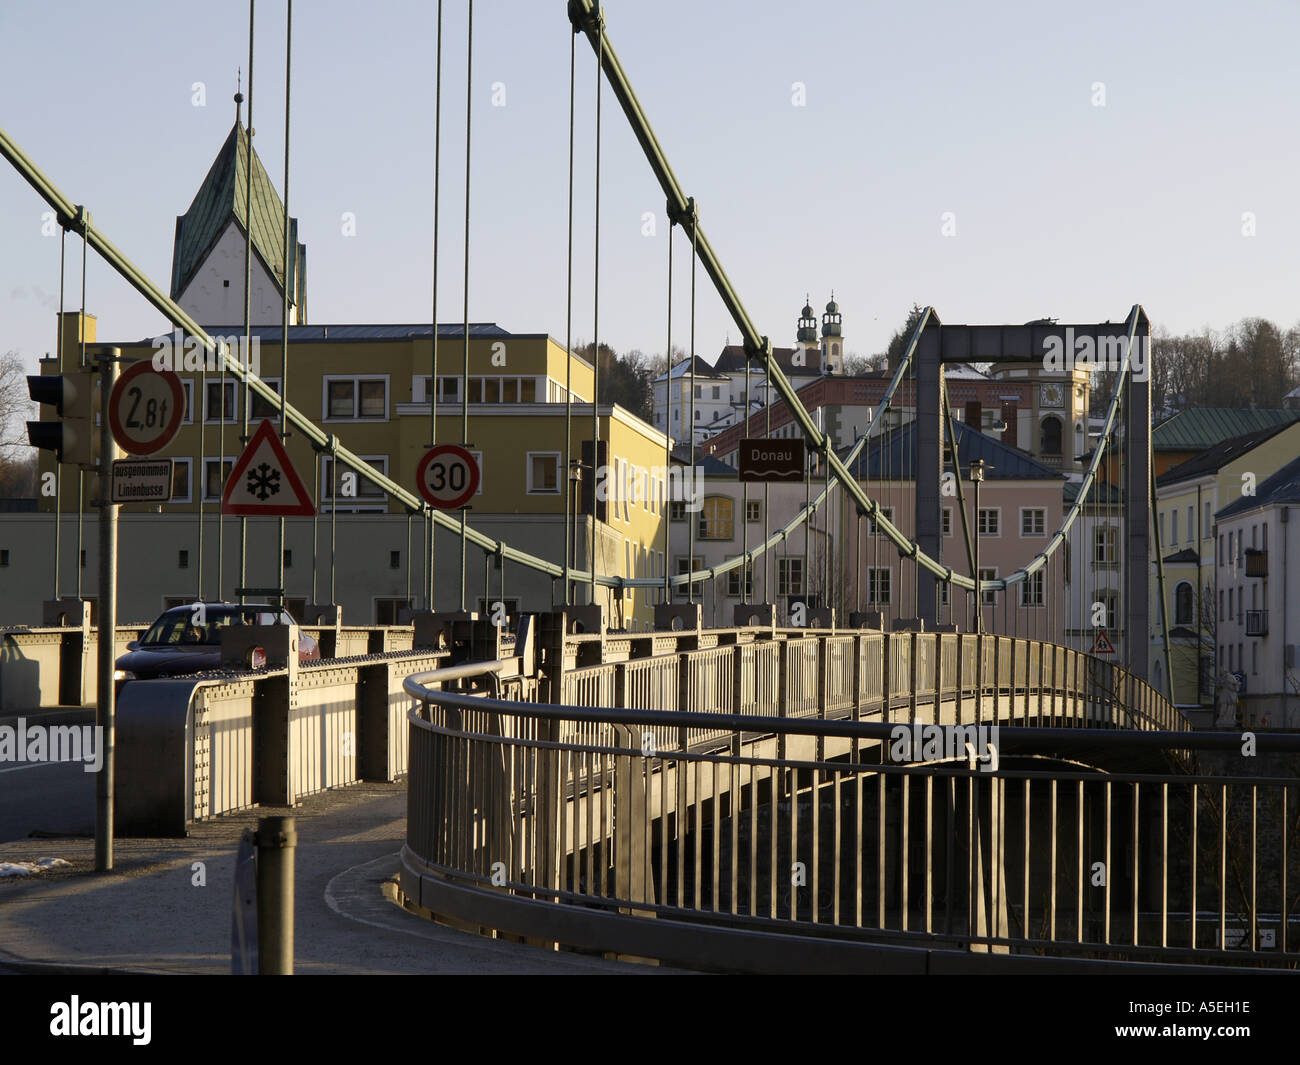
(698, 395)
(211, 244)
(1257, 563)
(721, 390)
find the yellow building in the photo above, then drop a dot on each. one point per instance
(373, 387)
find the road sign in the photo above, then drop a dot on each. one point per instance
(142, 481)
(145, 409)
(763, 459)
(263, 482)
(448, 477)
(1102, 645)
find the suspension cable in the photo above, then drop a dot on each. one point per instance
(58, 466)
(288, 275)
(464, 416)
(81, 476)
(248, 292)
(430, 530)
(595, 340)
(570, 518)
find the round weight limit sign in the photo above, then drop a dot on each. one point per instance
(448, 477)
(145, 409)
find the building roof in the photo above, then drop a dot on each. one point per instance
(1215, 458)
(895, 455)
(1281, 487)
(1198, 428)
(223, 197)
(318, 334)
(1185, 555)
(701, 369)
(1101, 493)
(733, 359)
(964, 371)
(710, 465)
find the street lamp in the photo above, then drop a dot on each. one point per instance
(977, 468)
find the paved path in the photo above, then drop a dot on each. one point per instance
(152, 914)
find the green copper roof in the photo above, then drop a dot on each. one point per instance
(221, 198)
(1198, 428)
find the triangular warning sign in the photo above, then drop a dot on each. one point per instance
(263, 482)
(1102, 645)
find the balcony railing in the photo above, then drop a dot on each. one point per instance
(1256, 622)
(1256, 563)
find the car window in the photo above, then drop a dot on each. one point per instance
(180, 628)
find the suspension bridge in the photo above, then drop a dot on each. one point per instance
(944, 781)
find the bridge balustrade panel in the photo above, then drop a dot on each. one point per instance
(925, 646)
(802, 681)
(948, 657)
(840, 655)
(759, 672)
(653, 684)
(710, 687)
(899, 657)
(871, 672)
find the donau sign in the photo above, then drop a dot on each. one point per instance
(762, 459)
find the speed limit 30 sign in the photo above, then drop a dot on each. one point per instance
(448, 477)
(145, 409)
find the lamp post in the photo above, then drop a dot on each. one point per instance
(977, 468)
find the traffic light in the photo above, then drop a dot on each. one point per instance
(73, 436)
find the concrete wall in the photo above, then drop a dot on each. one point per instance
(150, 570)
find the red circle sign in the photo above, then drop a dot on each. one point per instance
(448, 477)
(145, 409)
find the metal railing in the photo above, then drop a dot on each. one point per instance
(769, 839)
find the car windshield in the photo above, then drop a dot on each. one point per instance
(182, 626)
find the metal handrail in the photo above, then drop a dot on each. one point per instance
(1015, 738)
(568, 828)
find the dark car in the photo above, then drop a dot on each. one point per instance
(187, 639)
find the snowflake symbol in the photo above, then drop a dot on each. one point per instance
(264, 481)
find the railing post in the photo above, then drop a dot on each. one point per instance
(633, 881)
(886, 651)
(913, 655)
(823, 666)
(782, 691)
(739, 687)
(276, 839)
(684, 701)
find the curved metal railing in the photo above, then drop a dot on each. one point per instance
(766, 840)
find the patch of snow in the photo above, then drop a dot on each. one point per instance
(28, 868)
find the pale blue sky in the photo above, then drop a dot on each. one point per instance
(1062, 208)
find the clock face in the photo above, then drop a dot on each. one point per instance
(1053, 395)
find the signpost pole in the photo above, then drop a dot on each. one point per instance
(107, 592)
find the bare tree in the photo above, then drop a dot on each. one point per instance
(16, 408)
(859, 364)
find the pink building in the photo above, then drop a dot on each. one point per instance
(1020, 507)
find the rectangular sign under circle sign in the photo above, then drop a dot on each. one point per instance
(142, 481)
(763, 459)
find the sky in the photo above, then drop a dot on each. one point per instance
(1000, 162)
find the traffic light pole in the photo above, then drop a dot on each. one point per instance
(105, 711)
